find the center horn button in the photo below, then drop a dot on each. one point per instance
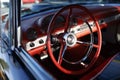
(70, 39)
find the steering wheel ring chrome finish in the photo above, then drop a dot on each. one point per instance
(70, 39)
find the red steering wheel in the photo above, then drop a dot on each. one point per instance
(68, 39)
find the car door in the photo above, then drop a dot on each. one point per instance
(15, 63)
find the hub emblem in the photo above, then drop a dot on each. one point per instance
(70, 39)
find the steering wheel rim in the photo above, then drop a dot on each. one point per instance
(81, 71)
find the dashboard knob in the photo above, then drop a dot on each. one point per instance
(41, 41)
(32, 44)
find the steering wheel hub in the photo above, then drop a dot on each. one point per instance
(70, 39)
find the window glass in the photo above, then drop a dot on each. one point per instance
(5, 28)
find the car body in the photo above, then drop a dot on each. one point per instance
(30, 1)
(60, 40)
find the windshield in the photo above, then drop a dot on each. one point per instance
(34, 6)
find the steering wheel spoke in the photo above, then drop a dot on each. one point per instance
(82, 42)
(62, 52)
(88, 44)
(95, 45)
(67, 24)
